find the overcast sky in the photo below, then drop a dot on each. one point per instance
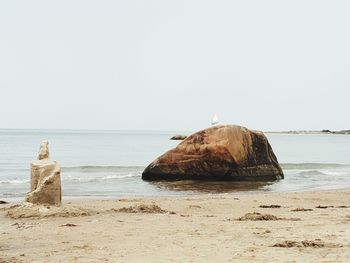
(171, 65)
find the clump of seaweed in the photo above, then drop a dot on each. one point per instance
(301, 209)
(150, 209)
(255, 216)
(316, 243)
(258, 217)
(270, 206)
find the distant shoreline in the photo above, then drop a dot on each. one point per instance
(342, 132)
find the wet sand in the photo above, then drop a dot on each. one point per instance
(272, 227)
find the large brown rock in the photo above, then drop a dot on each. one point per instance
(225, 152)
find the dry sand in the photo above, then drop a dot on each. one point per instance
(274, 227)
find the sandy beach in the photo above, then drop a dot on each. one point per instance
(272, 227)
(174, 131)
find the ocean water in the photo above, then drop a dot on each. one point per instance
(110, 163)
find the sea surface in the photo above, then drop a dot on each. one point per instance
(110, 163)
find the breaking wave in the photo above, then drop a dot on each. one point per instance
(312, 172)
(96, 169)
(315, 166)
(98, 178)
(92, 173)
(14, 181)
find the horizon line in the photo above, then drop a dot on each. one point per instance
(160, 130)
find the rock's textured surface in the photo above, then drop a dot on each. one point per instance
(45, 179)
(225, 152)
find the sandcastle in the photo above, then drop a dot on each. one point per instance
(45, 179)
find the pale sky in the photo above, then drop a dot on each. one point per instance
(171, 65)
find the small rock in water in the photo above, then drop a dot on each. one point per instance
(178, 137)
